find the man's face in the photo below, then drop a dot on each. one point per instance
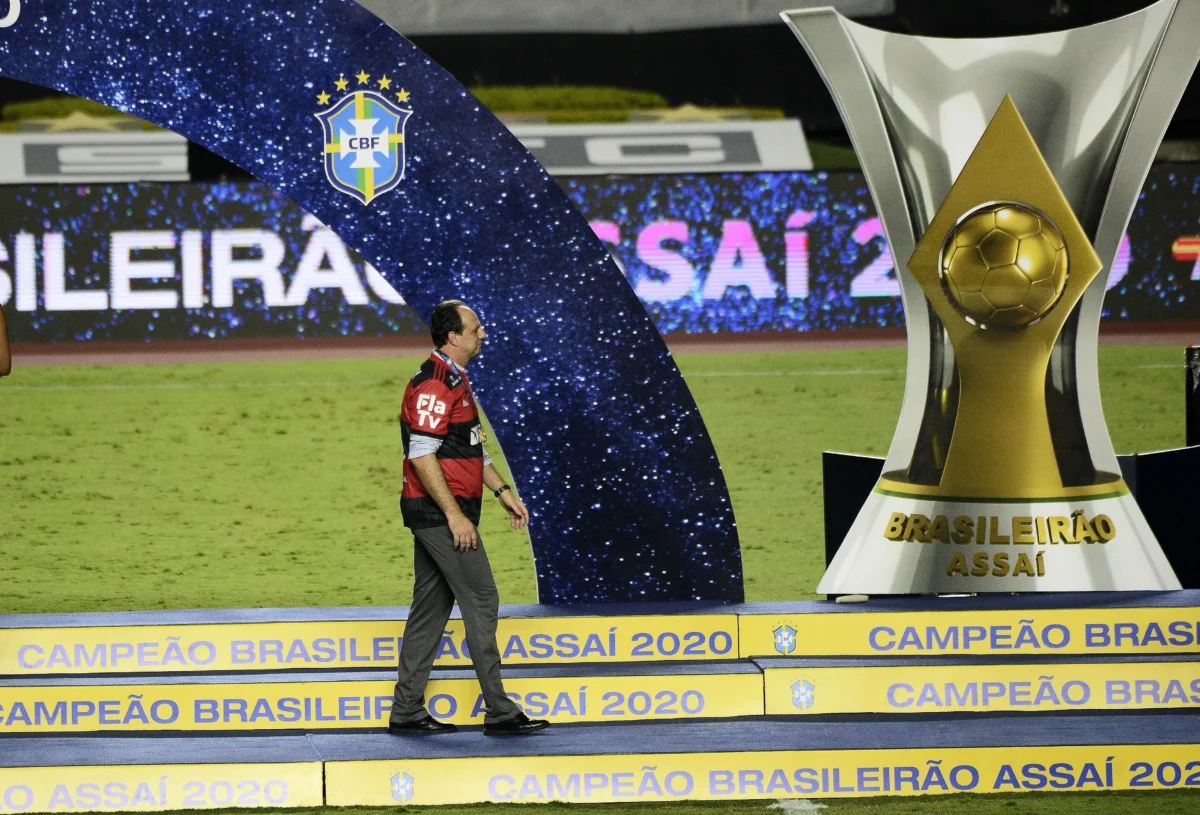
(470, 340)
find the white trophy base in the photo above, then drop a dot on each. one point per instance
(1017, 554)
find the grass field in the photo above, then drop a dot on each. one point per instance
(276, 484)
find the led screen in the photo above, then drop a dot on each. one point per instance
(704, 253)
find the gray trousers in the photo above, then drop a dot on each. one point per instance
(443, 575)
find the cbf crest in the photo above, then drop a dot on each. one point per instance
(364, 136)
(804, 694)
(785, 639)
(402, 787)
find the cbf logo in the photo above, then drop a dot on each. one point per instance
(402, 787)
(785, 639)
(364, 137)
(803, 694)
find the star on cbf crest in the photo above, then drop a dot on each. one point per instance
(364, 136)
(403, 787)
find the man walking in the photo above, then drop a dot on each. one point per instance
(445, 470)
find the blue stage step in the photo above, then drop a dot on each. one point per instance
(767, 759)
(340, 700)
(60, 773)
(761, 758)
(652, 702)
(273, 702)
(221, 641)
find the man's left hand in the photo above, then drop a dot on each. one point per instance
(518, 515)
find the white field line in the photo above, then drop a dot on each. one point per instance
(798, 806)
(842, 372)
(362, 383)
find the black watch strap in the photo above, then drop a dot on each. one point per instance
(502, 489)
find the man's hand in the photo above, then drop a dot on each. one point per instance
(466, 537)
(434, 481)
(518, 515)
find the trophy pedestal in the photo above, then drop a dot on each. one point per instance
(897, 545)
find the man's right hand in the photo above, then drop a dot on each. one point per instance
(434, 481)
(465, 535)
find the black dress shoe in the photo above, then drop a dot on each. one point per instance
(518, 725)
(426, 725)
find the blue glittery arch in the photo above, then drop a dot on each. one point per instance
(597, 425)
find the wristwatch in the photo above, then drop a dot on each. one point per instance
(502, 489)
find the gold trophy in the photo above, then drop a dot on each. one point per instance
(1003, 264)
(1004, 171)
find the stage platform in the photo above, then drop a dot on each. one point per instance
(222, 640)
(743, 759)
(286, 707)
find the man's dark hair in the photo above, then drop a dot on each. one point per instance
(446, 319)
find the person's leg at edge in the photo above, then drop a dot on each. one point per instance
(427, 617)
(470, 577)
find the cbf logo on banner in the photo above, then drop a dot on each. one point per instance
(785, 639)
(364, 138)
(804, 694)
(403, 787)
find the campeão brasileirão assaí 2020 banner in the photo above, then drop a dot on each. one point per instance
(705, 253)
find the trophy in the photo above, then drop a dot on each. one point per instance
(1004, 171)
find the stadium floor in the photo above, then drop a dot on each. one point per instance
(1162, 802)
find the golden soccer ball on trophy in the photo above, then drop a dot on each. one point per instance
(1004, 265)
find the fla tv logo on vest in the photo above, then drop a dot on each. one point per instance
(364, 136)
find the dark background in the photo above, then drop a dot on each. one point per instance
(749, 65)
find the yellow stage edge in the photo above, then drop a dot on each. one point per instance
(318, 705)
(357, 645)
(1026, 632)
(158, 788)
(360, 645)
(744, 776)
(940, 689)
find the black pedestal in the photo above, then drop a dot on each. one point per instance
(848, 480)
(1193, 396)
